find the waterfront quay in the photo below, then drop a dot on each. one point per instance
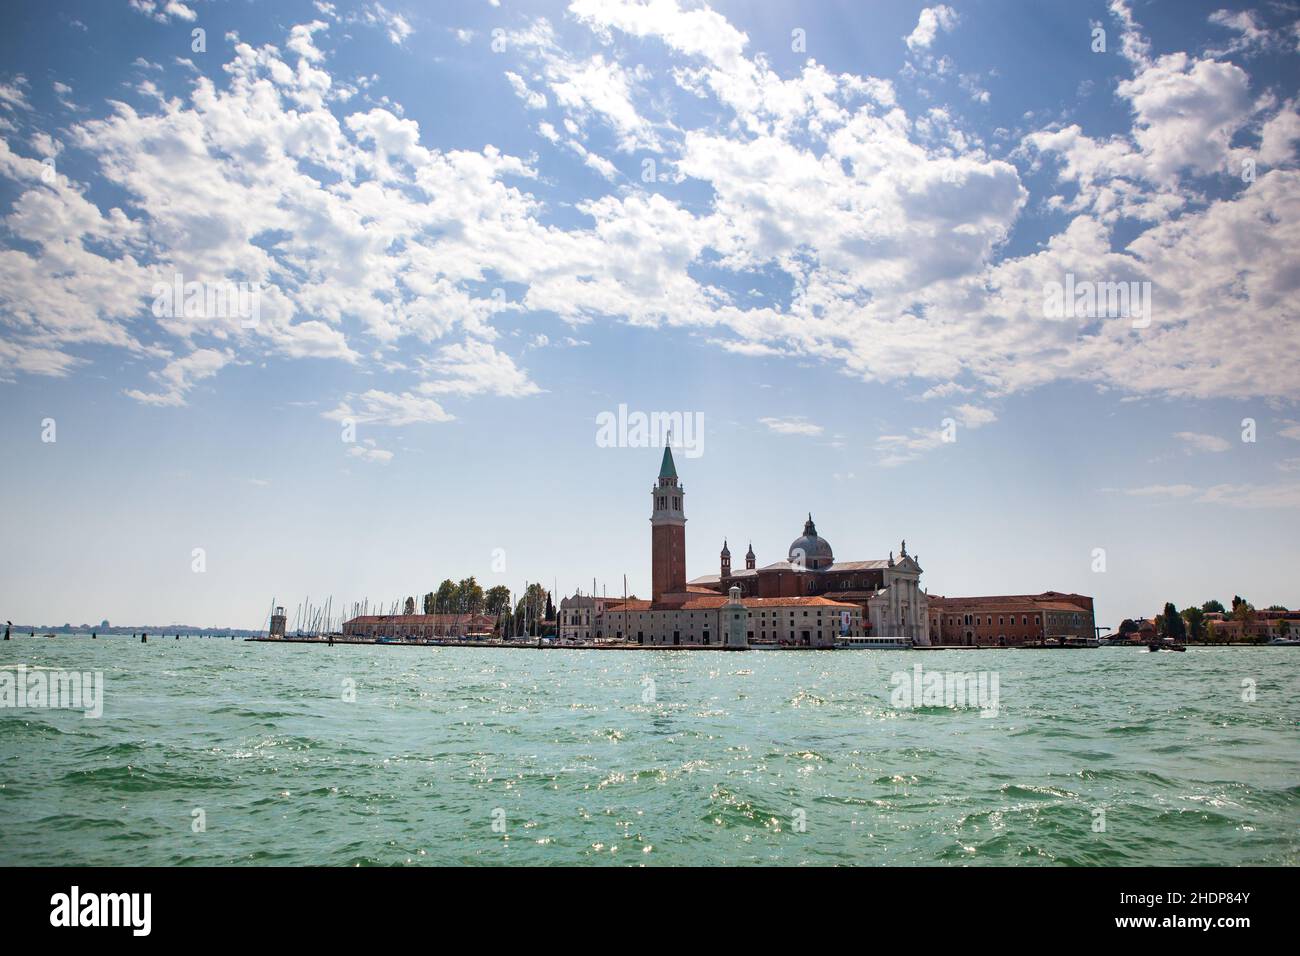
(534, 644)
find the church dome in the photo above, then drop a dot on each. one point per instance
(810, 550)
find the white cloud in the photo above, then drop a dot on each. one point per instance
(1281, 496)
(366, 450)
(1162, 491)
(1250, 34)
(1196, 441)
(973, 416)
(895, 450)
(929, 23)
(476, 368)
(164, 10)
(888, 230)
(376, 407)
(700, 32)
(396, 26)
(792, 425)
(180, 375)
(13, 95)
(532, 99)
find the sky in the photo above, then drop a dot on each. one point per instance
(829, 234)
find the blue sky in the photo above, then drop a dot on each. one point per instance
(839, 262)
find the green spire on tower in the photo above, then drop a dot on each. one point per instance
(668, 469)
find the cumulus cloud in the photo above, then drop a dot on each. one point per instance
(928, 24)
(973, 416)
(476, 368)
(890, 232)
(164, 10)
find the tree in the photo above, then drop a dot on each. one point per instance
(1175, 626)
(409, 606)
(1278, 607)
(1128, 626)
(428, 603)
(497, 600)
(1244, 614)
(444, 598)
(1210, 607)
(1195, 619)
(529, 610)
(550, 608)
(469, 597)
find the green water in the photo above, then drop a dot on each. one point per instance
(763, 757)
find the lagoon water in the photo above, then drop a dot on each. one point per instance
(648, 758)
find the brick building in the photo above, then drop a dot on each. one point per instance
(420, 627)
(1010, 620)
(697, 619)
(1267, 626)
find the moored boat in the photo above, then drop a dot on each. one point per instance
(859, 643)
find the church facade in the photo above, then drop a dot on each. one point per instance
(888, 590)
(808, 599)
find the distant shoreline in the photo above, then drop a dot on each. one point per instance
(556, 646)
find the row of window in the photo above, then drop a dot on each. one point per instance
(973, 620)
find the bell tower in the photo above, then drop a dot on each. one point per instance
(667, 532)
(750, 558)
(726, 559)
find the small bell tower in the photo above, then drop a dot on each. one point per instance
(726, 559)
(749, 557)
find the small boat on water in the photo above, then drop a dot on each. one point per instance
(1165, 645)
(1284, 642)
